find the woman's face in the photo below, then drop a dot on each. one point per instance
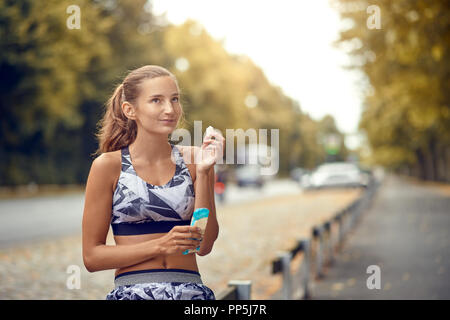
(158, 107)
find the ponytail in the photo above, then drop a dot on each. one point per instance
(116, 130)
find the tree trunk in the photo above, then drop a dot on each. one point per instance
(421, 163)
(434, 156)
(445, 159)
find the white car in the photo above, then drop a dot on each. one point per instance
(338, 174)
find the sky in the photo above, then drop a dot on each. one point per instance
(291, 41)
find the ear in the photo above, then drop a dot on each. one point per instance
(129, 110)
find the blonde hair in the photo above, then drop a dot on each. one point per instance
(115, 129)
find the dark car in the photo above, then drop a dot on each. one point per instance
(249, 174)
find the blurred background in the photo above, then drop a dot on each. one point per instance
(356, 94)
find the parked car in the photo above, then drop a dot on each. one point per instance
(297, 174)
(338, 174)
(305, 182)
(249, 174)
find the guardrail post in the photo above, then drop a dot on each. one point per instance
(358, 208)
(351, 215)
(341, 231)
(327, 227)
(346, 217)
(243, 288)
(318, 233)
(306, 262)
(285, 258)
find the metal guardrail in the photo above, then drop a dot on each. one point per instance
(318, 251)
(237, 290)
(283, 265)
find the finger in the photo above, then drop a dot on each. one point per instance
(188, 243)
(194, 233)
(210, 148)
(194, 229)
(216, 135)
(212, 142)
(186, 235)
(180, 235)
(208, 141)
(183, 229)
(184, 248)
(197, 236)
(207, 146)
(216, 145)
(218, 142)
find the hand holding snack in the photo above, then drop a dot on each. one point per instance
(179, 239)
(211, 150)
(199, 220)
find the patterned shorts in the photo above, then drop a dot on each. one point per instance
(160, 284)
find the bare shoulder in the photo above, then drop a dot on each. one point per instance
(108, 160)
(108, 166)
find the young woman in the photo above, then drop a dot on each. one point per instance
(147, 189)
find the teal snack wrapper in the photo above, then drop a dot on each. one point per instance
(199, 219)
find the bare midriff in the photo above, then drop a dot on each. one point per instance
(173, 261)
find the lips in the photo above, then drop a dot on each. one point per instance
(168, 121)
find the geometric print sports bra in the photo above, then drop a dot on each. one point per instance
(140, 207)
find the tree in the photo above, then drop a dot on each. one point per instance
(407, 108)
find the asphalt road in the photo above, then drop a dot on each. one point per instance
(406, 234)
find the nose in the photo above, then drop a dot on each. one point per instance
(169, 108)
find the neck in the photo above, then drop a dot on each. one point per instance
(150, 148)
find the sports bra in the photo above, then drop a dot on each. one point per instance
(140, 207)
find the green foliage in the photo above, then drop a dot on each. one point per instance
(407, 64)
(55, 81)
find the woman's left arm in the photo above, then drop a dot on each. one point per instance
(204, 198)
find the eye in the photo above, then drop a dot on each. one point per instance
(155, 99)
(176, 99)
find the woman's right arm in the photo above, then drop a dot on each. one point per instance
(96, 219)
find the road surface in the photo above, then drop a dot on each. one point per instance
(407, 235)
